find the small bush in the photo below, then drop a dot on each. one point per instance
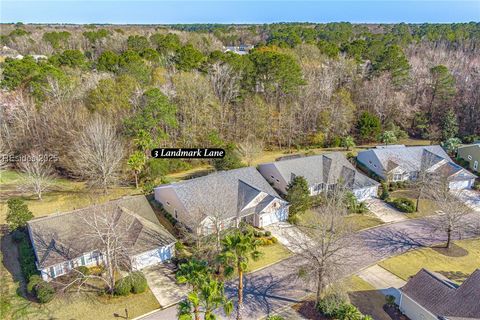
(42, 290)
(268, 233)
(385, 194)
(476, 186)
(82, 270)
(123, 286)
(403, 204)
(32, 282)
(139, 283)
(330, 303)
(390, 300)
(96, 270)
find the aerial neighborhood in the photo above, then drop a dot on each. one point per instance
(274, 171)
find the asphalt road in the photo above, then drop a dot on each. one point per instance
(278, 286)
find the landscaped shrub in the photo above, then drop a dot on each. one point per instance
(268, 233)
(123, 286)
(330, 304)
(26, 258)
(385, 194)
(139, 283)
(403, 204)
(390, 300)
(82, 271)
(96, 270)
(42, 290)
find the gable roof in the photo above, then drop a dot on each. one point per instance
(443, 298)
(226, 193)
(65, 236)
(414, 159)
(326, 168)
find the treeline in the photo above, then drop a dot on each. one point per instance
(302, 85)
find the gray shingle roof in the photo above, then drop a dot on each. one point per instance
(65, 236)
(327, 168)
(224, 193)
(442, 298)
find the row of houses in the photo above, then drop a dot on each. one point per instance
(222, 200)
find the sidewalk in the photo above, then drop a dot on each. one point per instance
(383, 280)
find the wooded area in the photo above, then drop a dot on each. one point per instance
(106, 95)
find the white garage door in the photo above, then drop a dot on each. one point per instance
(458, 185)
(153, 257)
(269, 218)
(366, 193)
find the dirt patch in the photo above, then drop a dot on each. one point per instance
(394, 313)
(307, 309)
(454, 251)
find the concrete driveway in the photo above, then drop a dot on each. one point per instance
(161, 280)
(384, 211)
(471, 198)
(288, 235)
(383, 280)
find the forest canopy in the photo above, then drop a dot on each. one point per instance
(301, 85)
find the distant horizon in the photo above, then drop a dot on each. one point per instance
(236, 12)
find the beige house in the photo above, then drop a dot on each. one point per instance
(431, 296)
(470, 153)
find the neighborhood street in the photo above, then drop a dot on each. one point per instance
(278, 286)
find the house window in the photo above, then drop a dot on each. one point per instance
(469, 157)
(168, 203)
(475, 165)
(176, 213)
(272, 177)
(277, 180)
(318, 187)
(397, 177)
(370, 161)
(58, 270)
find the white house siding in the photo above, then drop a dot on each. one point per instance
(271, 174)
(366, 193)
(413, 310)
(459, 185)
(170, 202)
(276, 212)
(88, 259)
(159, 255)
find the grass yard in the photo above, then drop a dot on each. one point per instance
(363, 221)
(66, 195)
(425, 207)
(456, 268)
(270, 254)
(366, 298)
(90, 307)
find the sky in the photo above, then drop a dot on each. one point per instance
(237, 11)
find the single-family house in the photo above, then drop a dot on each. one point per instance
(322, 172)
(221, 200)
(470, 153)
(65, 241)
(401, 163)
(431, 296)
(241, 49)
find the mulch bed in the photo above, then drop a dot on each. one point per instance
(307, 309)
(394, 313)
(454, 251)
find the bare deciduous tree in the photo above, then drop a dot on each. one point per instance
(37, 174)
(328, 237)
(98, 153)
(451, 219)
(250, 148)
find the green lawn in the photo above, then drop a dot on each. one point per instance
(456, 268)
(270, 254)
(366, 298)
(426, 207)
(363, 221)
(357, 221)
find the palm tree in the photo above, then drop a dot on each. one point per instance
(238, 248)
(194, 273)
(212, 297)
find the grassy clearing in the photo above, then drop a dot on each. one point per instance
(66, 195)
(366, 298)
(456, 268)
(270, 254)
(426, 207)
